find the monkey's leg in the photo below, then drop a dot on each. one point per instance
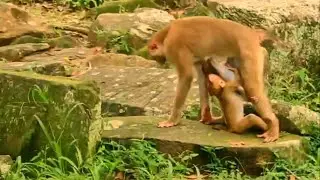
(205, 112)
(184, 65)
(251, 70)
(247, 122)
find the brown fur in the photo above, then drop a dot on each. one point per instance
(231, 100)
(187, 41)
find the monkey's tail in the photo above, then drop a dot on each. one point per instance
(267, 38)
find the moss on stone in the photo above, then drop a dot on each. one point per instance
(69, 109)
(143, 52)
(124, 6)
(247, 17)
(249, 150)
(63, 42)
(27, 39)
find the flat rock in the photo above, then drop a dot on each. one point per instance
(16, 22)
(192, 135)
(275, 11)
(133, 87)
(140, 25)
(18, 51)
(138, 90)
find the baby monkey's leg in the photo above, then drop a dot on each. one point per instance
(249, 121)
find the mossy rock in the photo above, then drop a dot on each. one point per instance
(123, 6)
(193, 136)
(67, 108)
(243, 16)
(27, 39)
(63, 42)
(143, 52)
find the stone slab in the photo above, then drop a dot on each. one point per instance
(192, 135)
(274, 11)
(72, 108)
(138, 90)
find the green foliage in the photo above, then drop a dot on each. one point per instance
(119, 42)
(283, 169)
(315, 140)
(295, 72)
(79, 4)
(192, 113)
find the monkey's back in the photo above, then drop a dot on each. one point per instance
(206, 35)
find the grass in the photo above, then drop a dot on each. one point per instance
(140, 160)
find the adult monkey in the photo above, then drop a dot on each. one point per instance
(187, 41)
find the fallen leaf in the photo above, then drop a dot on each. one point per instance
(60, 8)
(119, 176)
(97, 50)
(292, 177)
(194, 176)
(237, 144)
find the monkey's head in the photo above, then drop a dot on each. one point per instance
(215, 84)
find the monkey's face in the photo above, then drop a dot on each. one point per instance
(215, 84)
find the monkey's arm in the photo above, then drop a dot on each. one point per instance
(224, 72)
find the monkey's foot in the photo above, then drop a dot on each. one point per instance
(212, 120)
(166, 124)
(205, 114)
(270, 136)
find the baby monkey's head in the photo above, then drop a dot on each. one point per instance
(215, 84)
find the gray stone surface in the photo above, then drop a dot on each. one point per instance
(191, 135)
(140, 25)
(275, 11)
(16, 22)
(18, 51)
(138, 90)
(130, 90)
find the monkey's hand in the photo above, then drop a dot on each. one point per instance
(163, 124)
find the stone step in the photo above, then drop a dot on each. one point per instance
(137, 90)
(249, 150)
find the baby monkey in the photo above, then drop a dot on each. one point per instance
(231, 97)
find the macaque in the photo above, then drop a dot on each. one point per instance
(230, 97)
(187, 41)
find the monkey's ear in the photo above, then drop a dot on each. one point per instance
(222, 84)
